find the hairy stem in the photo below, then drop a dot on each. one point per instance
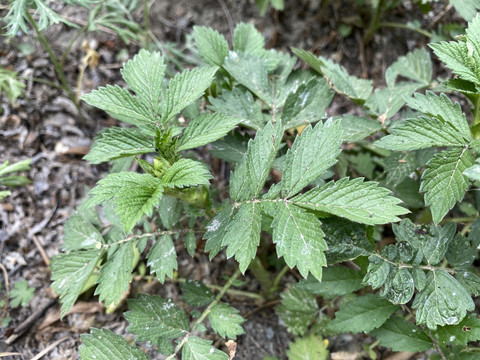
(206, 312)
(70, 44)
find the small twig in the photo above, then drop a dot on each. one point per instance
(5, 277)
(261, 307)
(39, 247)
(228, 17)
(5, 354)
(49, 348)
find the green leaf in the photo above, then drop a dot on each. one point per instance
(466, 8)
(115, 275)
(205, 129)
(70, 272)
(443, 181)
(435, 243)
(239, 104)
(336, 281)
(338, 77)
(243, 234)
(467, 330)
(21, 294)
(473, 172)
(299, 239)
(307, 104)
(363, 314)
(17, 16)
(251, 173)
(401, 335)
(153, 318)
(144, 75)
(184, 89)
(162, 258)
(212, 46)
(416, 66)
(226, 321)
(250, 71)
(135, 195)
(199, 349)
(247, 39)
(195, 293)
(308, 348)
(387, 102)
(116, 143)
(356, 128)
(461, 254)
(10, 85)
(297, 310)
(186, 173)
(311, 154)
(470, 280)
(399, 166)
(356, 200)
(105, 345)
(399, 287)
(80, 234)
(444, 301)
(377, 272)
(216, 230)
(120, 104)
(346, 240)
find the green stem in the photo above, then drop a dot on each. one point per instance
(206, 312)
(404, 26)
(277, 279)
(408, 266)
(70, 44)
(374, 22)
(233, 292)
(261, 274)
(58, 69)
(466, 219)
(41, 81)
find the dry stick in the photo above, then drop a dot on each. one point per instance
(39, 247)
(49, 348)
(5, 276)
(10, 354)
(206, 312)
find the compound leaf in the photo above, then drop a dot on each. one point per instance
(185, 173)
(144, 75)
(401, 335)
(184, 89)
(70, 272)
(443, 181)
(162, 258)
(226, 321)
(212, 46)
(311, 154)
(105, 345)
(443, 301)
(356, 200)
(199, 349)
(299, 239)
(308, 348)
(120, 104)
(115, 275)
(206, 128)
(363, 314)
(116, 142)
(243, 234)
(297, 310)
(195, 293)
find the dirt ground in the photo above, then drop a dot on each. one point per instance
(46, 126)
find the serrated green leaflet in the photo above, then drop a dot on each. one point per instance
(185, 173)
(152, 317)
(467, 330)
(416, 66)
(205, 129)
(362, 314)
(250, 174)
(162, 258)
(105, 345)
(212, 46)
(247, 39)
(466, 8)
(356, 128)
(444, 301)
(443, 181)
(377, 272)
(399, 286)
(311, 154)
(144, 75)
(216, 230)
(70, 272)
(195, 293)
(226, 321)
(473, 172)
(308, 348)
(115, 143)
(399, 166)
(80, 234)
(401, 335)
(120, 104)
(199, 349)
(184, 89)
(470, 280)
(299, 239)
(356, 200)
(388, 101)
(243, 234)
(336, 281)
(115, 275)
(297, 310)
